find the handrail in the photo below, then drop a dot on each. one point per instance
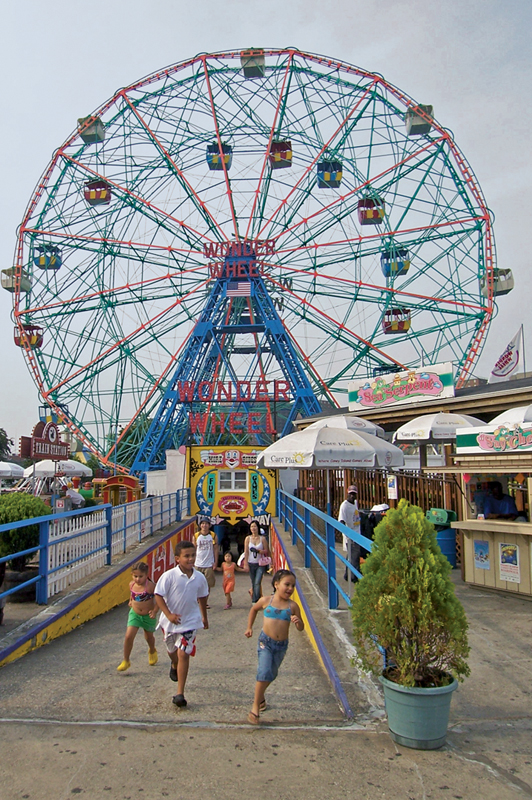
(86, 539)
(315, 532)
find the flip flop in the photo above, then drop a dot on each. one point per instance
(253, 719)
(263, 706)
(173, 674)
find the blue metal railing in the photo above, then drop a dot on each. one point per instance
(73, 544)
(315, 533)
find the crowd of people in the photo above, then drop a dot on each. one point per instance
(181, 595)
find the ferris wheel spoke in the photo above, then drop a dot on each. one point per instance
(219, 141)
(198, 203)
(277, 118)
(146, 207)
(312, 164)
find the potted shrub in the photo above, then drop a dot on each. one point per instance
(15, 507)
(405, 607)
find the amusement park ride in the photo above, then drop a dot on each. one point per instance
(223, 244)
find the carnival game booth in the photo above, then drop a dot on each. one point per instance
(495, 524)
(227, 487)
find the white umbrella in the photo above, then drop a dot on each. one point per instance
(47, 469)
(10, 470)
(349, 423)
(435, 427)
(513, 416)
(330, 447)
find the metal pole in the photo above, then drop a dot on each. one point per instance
(524, 356)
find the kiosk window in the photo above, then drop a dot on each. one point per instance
(233, 481)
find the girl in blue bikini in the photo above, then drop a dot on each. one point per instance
(142, 613)
(279, 612)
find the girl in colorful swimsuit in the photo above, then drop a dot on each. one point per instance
(279, 611)
(142, 613)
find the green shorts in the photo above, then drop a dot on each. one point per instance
(144, 621)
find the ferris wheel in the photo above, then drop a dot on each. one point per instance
(375, 242)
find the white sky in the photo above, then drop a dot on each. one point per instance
(470, 59)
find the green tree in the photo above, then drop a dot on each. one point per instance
(406, 602)
(14, 507)
(5, 445)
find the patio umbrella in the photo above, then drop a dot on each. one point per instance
(315, 448)
(435, 427)
(47, 469)
(349, 423)
(330, 447)
(440, 427)
(513, 416)
(10, 470)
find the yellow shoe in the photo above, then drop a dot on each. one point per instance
(123, 666)
(153, 658)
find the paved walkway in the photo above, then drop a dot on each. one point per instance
(71, 725)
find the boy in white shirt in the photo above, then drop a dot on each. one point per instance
(206, 552)
(181, 594)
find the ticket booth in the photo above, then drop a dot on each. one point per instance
(227, 488)
(496, 537)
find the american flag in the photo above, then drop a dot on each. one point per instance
(239, 289)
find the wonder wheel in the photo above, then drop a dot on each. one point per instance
(363, 218)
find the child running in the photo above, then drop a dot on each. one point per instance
(142, 612)
(279, 612)
(181, 593)
(228, 568)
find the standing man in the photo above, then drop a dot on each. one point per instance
(348, 514)
(206, 552)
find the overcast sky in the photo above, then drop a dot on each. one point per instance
(470, 59)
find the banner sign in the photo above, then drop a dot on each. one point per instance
(402, 388)
(502, 439)
(508, 362)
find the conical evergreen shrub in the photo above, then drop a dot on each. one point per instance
(406, 603)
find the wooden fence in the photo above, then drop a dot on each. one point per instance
(427, 490)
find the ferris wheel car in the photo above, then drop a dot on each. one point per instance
(371, 211)
(215, 160)
(329, 174)
(503, 282)
(280, 155)
(253, 64)
(395, 262)
(30, 336)
(97, 193)
(91, 129)
(417, 123)
(48, 257)
(396, 320)
(10, 278)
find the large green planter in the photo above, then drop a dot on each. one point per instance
(418, 717)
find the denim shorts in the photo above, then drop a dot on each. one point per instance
(271, 654)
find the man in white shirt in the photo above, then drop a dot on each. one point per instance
(181, 594)
(349, 515)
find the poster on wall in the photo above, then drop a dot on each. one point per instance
(509, 563)
(482, 554)
(391, 484)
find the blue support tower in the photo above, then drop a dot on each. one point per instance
(210, 397)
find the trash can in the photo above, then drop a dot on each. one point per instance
(446, 536)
